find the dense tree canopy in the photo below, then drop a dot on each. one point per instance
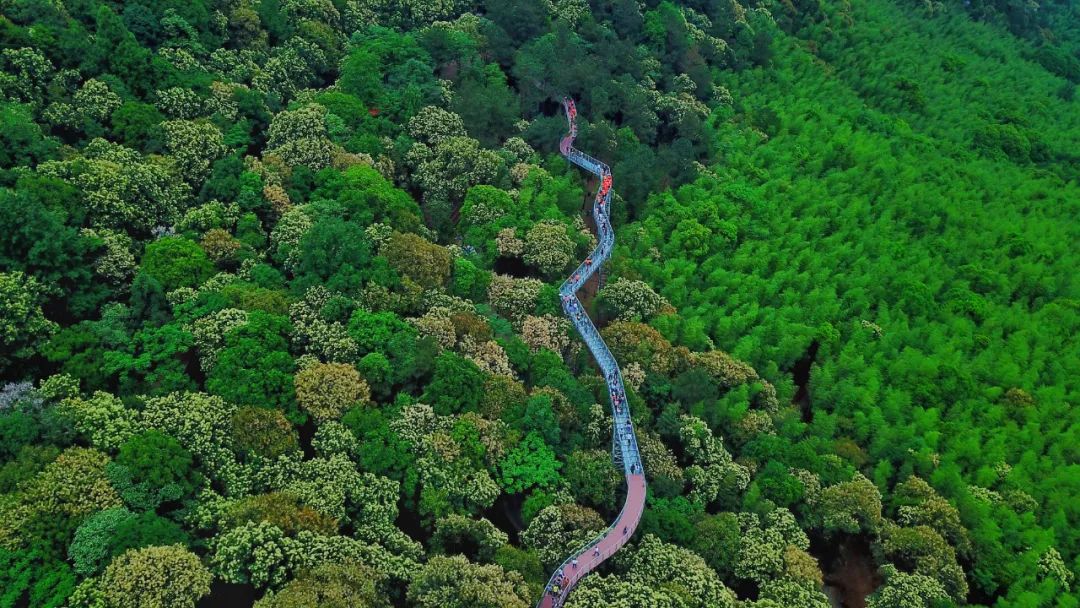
(279, 308)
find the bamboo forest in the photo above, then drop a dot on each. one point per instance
(539, 303)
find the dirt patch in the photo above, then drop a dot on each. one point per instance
(514, 267)
(588, 291)
(506, 515)
(225, 595)
(850, 572)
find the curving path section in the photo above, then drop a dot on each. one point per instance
(624, 448)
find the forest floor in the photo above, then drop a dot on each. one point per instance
(588, 291)
(850, 573)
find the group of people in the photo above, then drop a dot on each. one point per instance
(605, 185)
(559, 582)
(618, 399)
(570, 305)
(617, 396)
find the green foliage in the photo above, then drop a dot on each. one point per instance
(153, 362)
(842, 308)
(387, 334)
(537, 417)
(333, 253)
(176, 262)
(525, 563)
(716, 540)
(457, 385)
(24, 325)
(531, 464)
(264, 433)
(672, 519)
(17, 429)
(592, 478)
(366, 195)
(29, 461)
(108, 533)
(152, 468)
(21, 139)
(486, 105)
(255, 367)
(382, 450)
(31, 575)
(138, 126)
(360, 76)
(377, 373)
(375, 332)
(468, 281)
(41, 244)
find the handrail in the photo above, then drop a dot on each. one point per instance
(560, 584)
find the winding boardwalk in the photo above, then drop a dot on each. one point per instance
(624, 447)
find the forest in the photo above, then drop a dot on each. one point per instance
(279, 319)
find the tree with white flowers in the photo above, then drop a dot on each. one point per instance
(155, 576)
(194, 145)
(299, 137)
(903, 590)
(327, 390)
(631, 300)
(446, 170)
(548, 247)
(559, 529)
(679, 572)
(455, 582)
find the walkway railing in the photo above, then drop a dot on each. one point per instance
(625, 446)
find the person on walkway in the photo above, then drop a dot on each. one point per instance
(574, 563)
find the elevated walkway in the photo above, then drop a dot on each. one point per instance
(624, 447)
